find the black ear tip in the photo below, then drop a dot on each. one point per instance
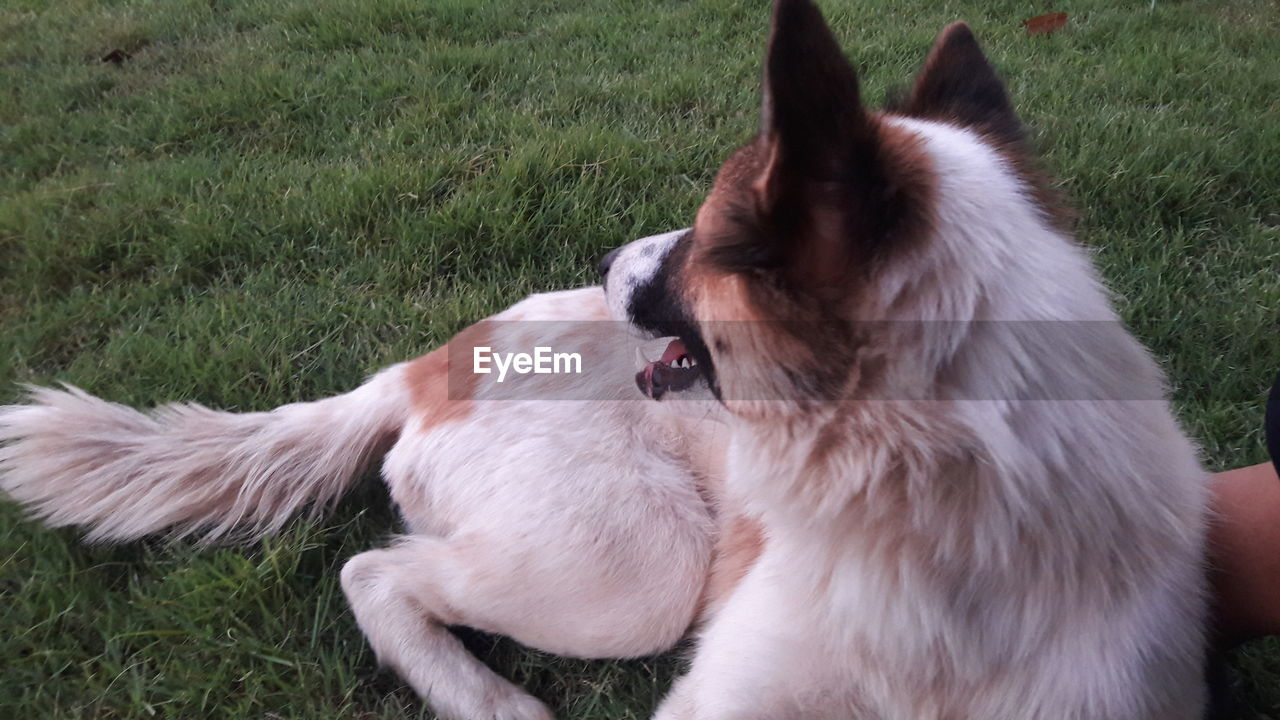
(783, 5)
(956, 35)
(795, 13)
(959, 84)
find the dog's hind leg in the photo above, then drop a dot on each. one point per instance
(403, 597)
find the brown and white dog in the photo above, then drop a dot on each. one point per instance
(906, 460)
(975, 501)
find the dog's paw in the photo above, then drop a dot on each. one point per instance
(519, 706)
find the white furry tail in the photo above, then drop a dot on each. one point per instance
(74, 459)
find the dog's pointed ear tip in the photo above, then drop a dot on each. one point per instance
(779, 5)
(956, 34)
(796, 13)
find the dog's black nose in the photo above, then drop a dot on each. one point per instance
(607, 261)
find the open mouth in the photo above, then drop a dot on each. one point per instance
(674, 371)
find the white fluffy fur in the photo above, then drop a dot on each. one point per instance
(74, 459)
(572, 526)
(966, 558)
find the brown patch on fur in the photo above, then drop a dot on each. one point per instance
(797, 316)
(735, 233)
(439, 393)
(914, 184)
(728, 232)
(732, 189)
(737, 549)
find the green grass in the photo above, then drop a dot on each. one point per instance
(271, 198)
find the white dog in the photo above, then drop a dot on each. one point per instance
(563, 510)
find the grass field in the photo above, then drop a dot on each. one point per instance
(267, 199)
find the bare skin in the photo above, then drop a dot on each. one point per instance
(1245, 546)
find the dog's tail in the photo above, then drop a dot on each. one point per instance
(74, 459)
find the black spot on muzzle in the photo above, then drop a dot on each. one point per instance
(658, 306)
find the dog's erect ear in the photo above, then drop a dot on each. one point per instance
(812, 109)
(959, 85)
(827, 184)
(821, 183)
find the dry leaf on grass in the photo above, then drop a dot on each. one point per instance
(1045, 24)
